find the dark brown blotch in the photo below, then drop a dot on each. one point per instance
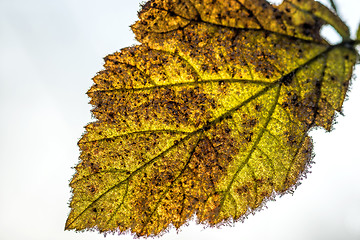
(303, 109)
(242, 190)
(258, 107)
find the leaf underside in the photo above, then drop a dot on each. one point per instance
(209, 116)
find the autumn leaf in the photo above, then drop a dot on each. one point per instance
(210, 115)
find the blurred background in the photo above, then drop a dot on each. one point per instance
(50, 50)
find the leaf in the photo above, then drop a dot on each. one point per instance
(209, 116)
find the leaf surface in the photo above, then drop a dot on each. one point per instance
(209, 116)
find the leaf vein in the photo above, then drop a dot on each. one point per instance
(252, 149)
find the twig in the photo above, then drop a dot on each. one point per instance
(333, 5)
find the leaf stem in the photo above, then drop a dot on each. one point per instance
(357, 42)
(347, 43)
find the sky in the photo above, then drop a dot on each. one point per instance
(50, 50)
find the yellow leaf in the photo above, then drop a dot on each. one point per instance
(209, 116)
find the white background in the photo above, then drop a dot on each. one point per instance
(50, 50)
